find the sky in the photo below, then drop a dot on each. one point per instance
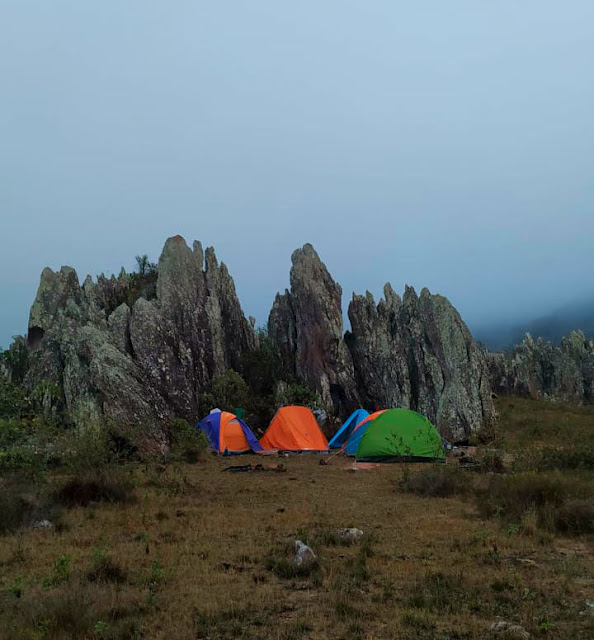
(439, 144)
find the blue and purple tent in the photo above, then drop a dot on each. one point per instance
(228, 434)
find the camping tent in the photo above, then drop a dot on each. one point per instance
(351, 445)
(400, 434)
(228, 433)
(342, 435)
(294, 429)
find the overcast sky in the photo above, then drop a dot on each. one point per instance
(440, 144)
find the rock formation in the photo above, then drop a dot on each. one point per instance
(537, 368)
(305, 324)
(133, 360)
(416, 352)
(141, 348)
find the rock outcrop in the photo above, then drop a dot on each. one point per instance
(305, 324)
(416, 352)
(138, 360)
(141, 348)
(540, 369)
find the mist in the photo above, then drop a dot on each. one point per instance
(446, 145)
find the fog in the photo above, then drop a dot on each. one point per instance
(439, 144)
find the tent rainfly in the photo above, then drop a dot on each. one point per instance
(294, 428)
(228, 434)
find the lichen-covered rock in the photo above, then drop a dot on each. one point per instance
(54, 292)
(538, 368)
(119, 327)
(418, 353)
(138, 366)
(99, 382)
(194, 329)
(305, 324)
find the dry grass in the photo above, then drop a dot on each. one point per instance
(204, 554)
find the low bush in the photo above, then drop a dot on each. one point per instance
(557, 502)
(24, 502)
(61, 613)
(60, 573)
(97, 485)
(14, 511)
(187, 443)
(232, 623)
(285, 568)
(436, 481)
(558, 459)
(439, 592)
(296, 393)
(492, 462)
(13, 400)
(575, 517)
(105, 569)
(74, 609)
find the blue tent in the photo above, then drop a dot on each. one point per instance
(352, 444)
(343, 434)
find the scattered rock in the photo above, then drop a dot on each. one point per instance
(351, 536)
(509, 630)
(589, 608)
(526, 562)
(304, 555)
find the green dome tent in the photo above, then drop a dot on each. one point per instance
(400, 435)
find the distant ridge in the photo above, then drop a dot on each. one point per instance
(552, 326)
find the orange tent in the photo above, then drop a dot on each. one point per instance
(294, 429)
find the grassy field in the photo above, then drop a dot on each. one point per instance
(193, 552)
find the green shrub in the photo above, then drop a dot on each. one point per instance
(229, 390)
(260, 366)
(14, 402)
(16, 359)
(187, 442)
(436, 481)
(296, 393)
(60, 573)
